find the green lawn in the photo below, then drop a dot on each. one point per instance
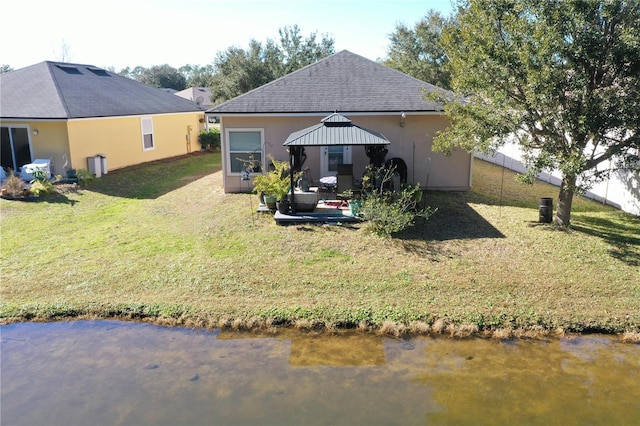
(163, 242)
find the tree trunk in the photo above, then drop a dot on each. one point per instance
(565, 200)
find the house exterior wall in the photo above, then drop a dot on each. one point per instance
(120, 138)
(411, 142)
(51, 142)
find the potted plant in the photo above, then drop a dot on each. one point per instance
(275, 185)
(262, 185)
(281, 193)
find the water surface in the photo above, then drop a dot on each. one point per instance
(122, 373)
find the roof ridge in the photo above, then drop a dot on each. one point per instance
(343, 81)
(70, 64)
(272, 82)
(63, 100)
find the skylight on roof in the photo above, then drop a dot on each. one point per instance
(69, 70)
(99, 71)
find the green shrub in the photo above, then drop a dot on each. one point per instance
(209, 139)
(387, 212)
(39, 175)
(84, 177)
(40, 188)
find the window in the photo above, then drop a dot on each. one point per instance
(244, 145)
(147, 133)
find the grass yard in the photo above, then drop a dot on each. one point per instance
(162, 242)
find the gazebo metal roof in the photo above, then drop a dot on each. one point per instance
(336, 129)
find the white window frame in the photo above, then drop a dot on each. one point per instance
(147, 130)
(229, 153)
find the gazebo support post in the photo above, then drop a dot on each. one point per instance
(292, 200)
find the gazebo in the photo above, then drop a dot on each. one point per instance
(335, 129)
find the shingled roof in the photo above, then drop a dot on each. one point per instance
(57, 90)
(343, 82)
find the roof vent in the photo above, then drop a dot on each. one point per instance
(99, 71)
(69, 70)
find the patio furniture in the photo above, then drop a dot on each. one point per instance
(328, 183)
(42, 164)
(306, 201)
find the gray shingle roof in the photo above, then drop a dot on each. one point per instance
(335, 129)
(343, 82)
(55, 90)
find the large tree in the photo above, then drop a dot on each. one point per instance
(197, 76)
(236, 70)
(561, 77)
(296, 52)
(417, 51)
(163, 76)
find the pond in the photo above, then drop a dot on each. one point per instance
(124, 373)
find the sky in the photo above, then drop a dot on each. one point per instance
(127, 33)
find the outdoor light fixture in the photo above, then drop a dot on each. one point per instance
(402, 117)
(35, 132)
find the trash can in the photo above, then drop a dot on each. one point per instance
(103, 163)
(93, 165)
(546, 210)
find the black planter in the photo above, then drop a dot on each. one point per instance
(283, 206)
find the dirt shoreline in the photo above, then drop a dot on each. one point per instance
(272, 326)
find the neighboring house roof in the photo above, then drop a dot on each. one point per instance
(57, 90)
(335, 129)
(343, 82)
(200, 95)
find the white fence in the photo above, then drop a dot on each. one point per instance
(622, 190)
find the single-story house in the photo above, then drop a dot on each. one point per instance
(70, 113)
(200, 95)
(202, 98)
(375, 98)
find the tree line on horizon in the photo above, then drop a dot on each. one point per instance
(236, 70)
(415, 51)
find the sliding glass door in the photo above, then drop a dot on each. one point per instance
(15, 151)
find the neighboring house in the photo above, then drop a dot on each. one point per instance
(69, 113)
(200, 95)
(372, 96)
(202, 98)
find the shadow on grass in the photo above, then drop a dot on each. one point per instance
(154, 179)
(622, 236)
(55, 198)
(59, 199)
(454, 220)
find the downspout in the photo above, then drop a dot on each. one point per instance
(471, 155)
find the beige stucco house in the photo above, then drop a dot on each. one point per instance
(68, 113)
(383, 100)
